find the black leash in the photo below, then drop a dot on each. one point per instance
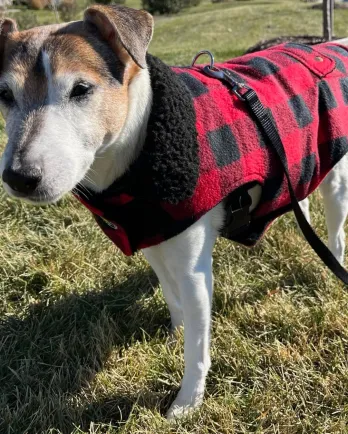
(264, 120)
(259, 112)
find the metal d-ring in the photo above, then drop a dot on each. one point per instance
(201, 53)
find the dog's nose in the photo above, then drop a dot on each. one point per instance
(23, 182)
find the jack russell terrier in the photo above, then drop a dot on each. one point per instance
(161, 155)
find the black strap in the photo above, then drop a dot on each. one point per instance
(267, 125)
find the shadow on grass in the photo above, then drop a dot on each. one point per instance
(49, 357)
(55, 350)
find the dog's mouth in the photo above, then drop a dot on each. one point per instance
(36, 198)
(49, 189)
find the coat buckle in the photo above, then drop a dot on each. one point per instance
(237, 215)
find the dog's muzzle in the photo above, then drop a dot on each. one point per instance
(23, 182)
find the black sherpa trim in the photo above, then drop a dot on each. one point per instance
(167, 168)
(171, 147)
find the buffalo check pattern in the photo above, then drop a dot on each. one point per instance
(305, 90)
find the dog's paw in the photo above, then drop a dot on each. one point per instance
(182, 406)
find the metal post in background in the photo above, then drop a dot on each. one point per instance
(328, 12)
(332, 8)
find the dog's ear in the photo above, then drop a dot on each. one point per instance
(126, 30)
(7, 26)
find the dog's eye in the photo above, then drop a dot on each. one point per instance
(7, 96)
(80, 90)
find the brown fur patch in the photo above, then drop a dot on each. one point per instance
(121, 26)
(86, 54)
(96, 59)
(72, 48)
(21, 60)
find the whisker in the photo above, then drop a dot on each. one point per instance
(77, 191)
(81, 186)
(87, 178)
(92, 171)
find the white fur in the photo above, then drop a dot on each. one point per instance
(334, 190)
(115, 156)
(48, 72)
(183, 265)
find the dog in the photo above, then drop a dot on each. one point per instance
(77, 99)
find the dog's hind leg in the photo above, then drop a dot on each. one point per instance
(169, 287)
(304, 205)
(334, 190)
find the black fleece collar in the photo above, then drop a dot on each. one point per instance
(167, 168)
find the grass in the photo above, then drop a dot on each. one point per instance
(84, 344)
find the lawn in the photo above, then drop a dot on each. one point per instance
(84, 344)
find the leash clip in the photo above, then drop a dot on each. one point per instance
(201, 53)
(212, 71)
(237, 88)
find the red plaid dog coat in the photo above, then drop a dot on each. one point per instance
(202, 144)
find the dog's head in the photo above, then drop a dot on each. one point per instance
(64, 93)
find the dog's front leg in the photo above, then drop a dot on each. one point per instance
(188, 261)
(169, 287)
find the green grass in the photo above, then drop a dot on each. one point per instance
(84, 344)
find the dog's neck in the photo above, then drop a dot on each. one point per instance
(116, 155)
